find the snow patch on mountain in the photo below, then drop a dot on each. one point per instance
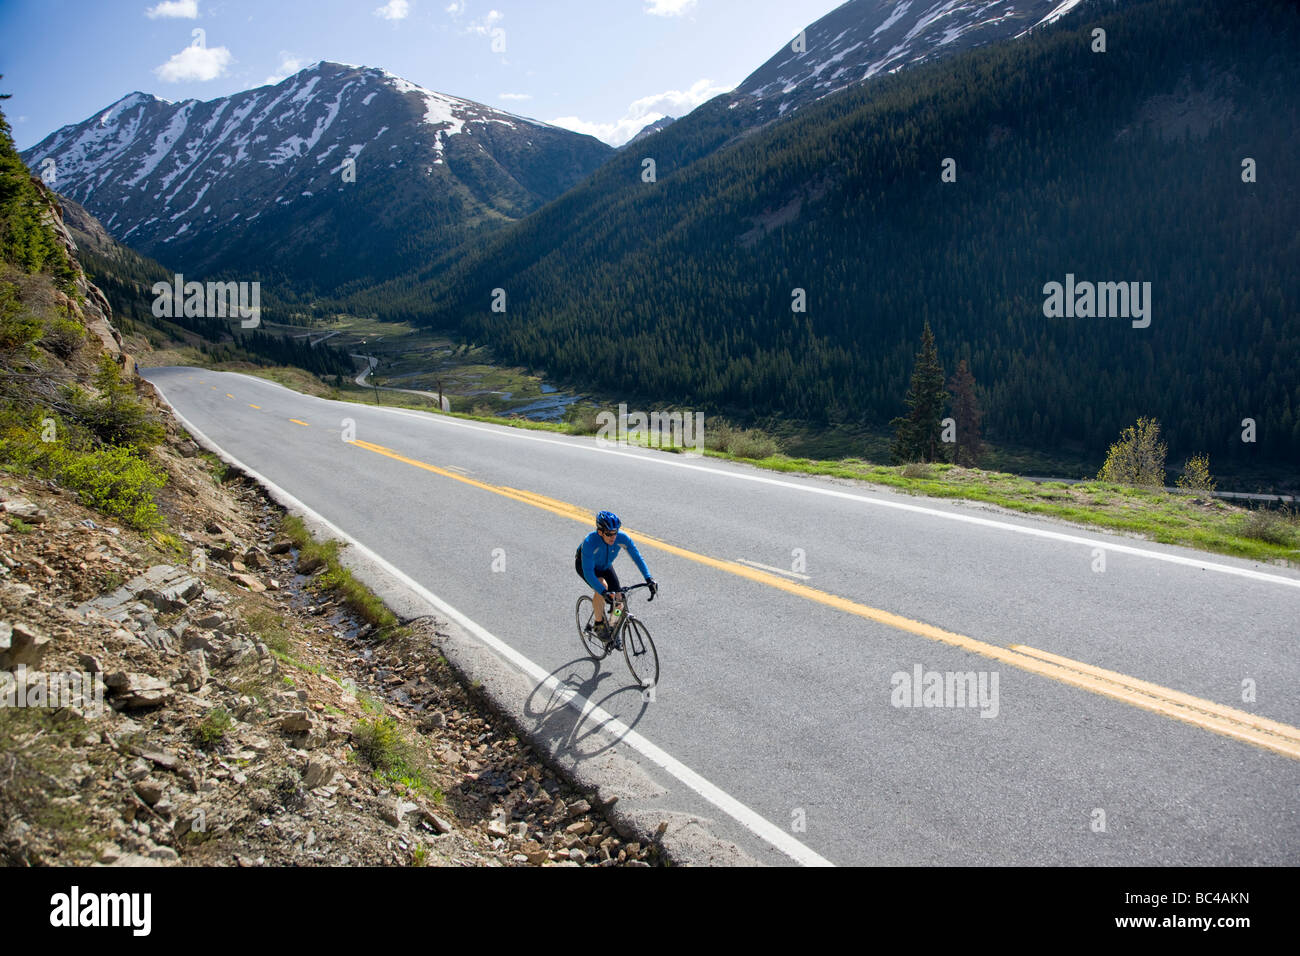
(1059, 12)
(864, 38)
(163, 144)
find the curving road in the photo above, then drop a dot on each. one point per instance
(1139, 702)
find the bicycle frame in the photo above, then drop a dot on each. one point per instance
(610, 604)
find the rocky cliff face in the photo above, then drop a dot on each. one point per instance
(93, 311)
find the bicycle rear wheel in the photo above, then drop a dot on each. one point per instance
(640, 654)
(586, 616)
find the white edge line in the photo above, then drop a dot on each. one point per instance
(749, 819)
(768, 567)
(503, 430)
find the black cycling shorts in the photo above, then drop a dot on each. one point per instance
(605, 575)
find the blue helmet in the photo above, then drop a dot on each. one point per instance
(607, 521)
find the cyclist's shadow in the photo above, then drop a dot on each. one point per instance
(558, 710)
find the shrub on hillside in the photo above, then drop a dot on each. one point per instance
(1138, 458)
(63, 336)
(114, 481)
(740, 442)
(18, 327)
(1196, 475)
(115, 416)
(1275, 527)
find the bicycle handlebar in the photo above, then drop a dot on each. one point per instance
(632, 588)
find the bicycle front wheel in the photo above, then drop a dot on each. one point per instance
(640, 654)
(593, 645)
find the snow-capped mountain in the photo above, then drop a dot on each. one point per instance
(866, 38)
(320, 176)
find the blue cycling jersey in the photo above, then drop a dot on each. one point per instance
(597, 554)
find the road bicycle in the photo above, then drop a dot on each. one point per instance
(638, 647)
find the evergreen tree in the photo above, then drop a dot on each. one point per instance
(917, 435)
(966, 410)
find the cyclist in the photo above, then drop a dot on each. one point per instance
(594, 562)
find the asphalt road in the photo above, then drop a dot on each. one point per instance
(1140, 701)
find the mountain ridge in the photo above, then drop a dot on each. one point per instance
(862, 39)
(343, 159)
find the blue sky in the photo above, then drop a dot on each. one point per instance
(605, 67)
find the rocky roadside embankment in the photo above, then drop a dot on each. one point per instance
(247, 718)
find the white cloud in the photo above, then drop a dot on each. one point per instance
(669, 8)
(289, 64)
(516, 96)
(394, 10)
(456, 8)
(185, 9)
(483, 25)
(195, 63)
(644, 111)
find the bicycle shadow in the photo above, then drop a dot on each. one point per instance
(557, 714)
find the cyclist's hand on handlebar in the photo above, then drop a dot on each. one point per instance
(654, 588)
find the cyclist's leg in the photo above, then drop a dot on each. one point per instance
(610, 580)
(597, 601)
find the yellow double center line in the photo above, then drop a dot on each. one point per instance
(1230, 722)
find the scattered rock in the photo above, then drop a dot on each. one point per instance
(137, 690)
(248, 581)
(319, 773)
(309, 565)
(149, 790)
(21, 644)
(167, 588)
(161, 758)
(24, 509)
(298, 722)
(195, 641)
(435, 821)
